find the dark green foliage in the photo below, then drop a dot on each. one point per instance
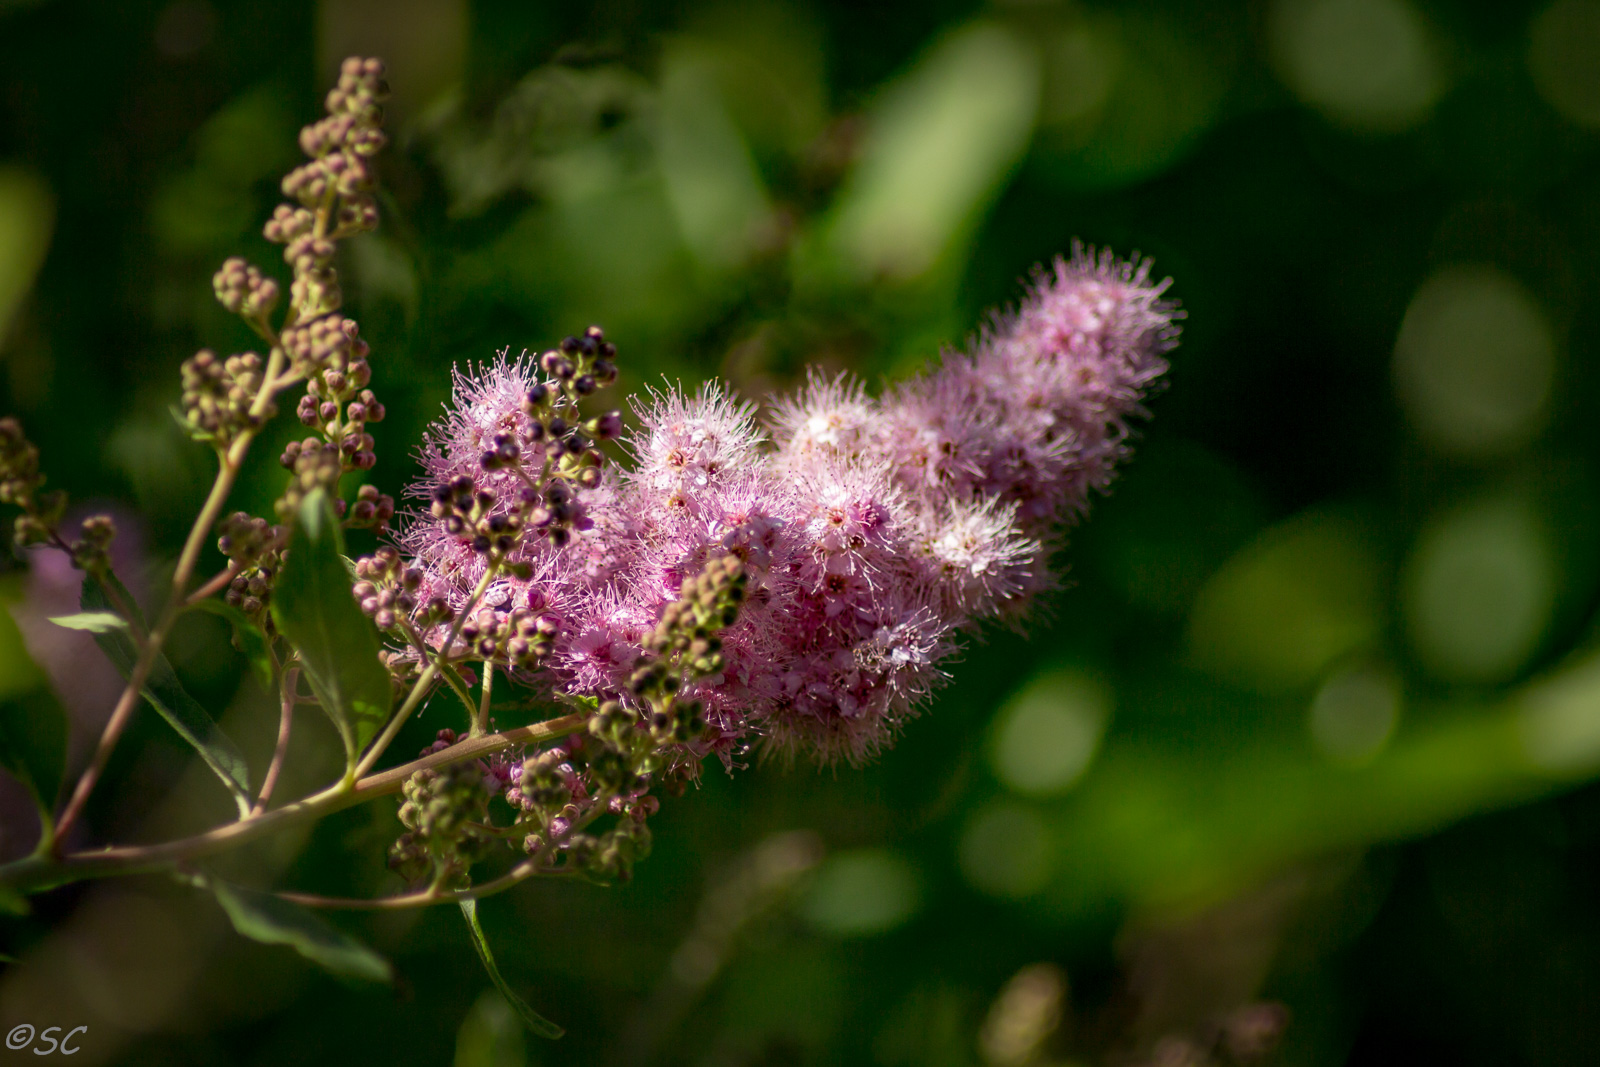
(247, 637)
(535, 1022)
(1419, 885)
(274, 921)
(168, 696)
(33, 743)
(312, 606)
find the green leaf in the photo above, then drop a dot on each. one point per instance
(96, 622)
(247, 637)
(314, 608)
(168, 696)
(12, 903)
(272, 920)
(536, 1022)
(33, 746)
(19, 675)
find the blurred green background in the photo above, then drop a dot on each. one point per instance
(1314, 722)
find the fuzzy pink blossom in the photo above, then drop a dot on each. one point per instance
(874, 531)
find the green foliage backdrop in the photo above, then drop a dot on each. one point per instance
(1313, 721)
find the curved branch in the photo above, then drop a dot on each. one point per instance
(40, 872)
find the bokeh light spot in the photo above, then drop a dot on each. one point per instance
(862, 892)
(940, 142)
(1005, 850)
(491, 1035)
(1479, 588)
(1560, 719)
(1564, 58)
(1474, 362)
(1046, 736)
(1126, 94)
(1354, 714)
(1367, 64)
(1287, 606)
(1080, 68)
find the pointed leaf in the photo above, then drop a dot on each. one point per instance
(33, 746)
(314, 608)
(247, 636)
(12, 903)
(536, 1022)
(272, 920)
(168, 696)
(33, 725)
(96, 622)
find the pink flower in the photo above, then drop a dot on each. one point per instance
(872, 530)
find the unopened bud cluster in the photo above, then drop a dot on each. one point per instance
(686, 646)
(575, 369)
(563, 790)
(372, 509)
(91, 552)
(333, 357)
(312, 464)
(446, 816)
(475, 516)
(246, 292)
(517, 640)
(332, 192)
(610, 768)
(218, 395)
(508, 494)
(20, 485)
(385, 588)
(254, 548)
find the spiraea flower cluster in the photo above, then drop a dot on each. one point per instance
(795, 583)
(870, 533)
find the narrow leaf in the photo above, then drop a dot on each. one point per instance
(168, 696)
(96, 622)
(274, 921)
(314, 608)
(247, 637)
(12, 903)
(33, 746)
(536, 1022)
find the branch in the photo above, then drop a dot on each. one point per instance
(429, 673)
(428, 897)
(291, 679)
(215, 585)
(37, 873)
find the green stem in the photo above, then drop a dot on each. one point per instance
(227, 473)
(287, 699)
(122, 713)
(451, 678)
(425, 682)
(533, 865)
(480, 724)
(215, 585)
(427, 897)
